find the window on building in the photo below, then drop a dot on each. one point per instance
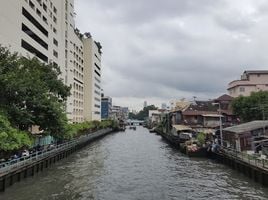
(31, 4)
(33, 50)
(97, 66)
(97, 86)
(55, 42)
(38, 12)
(97, 73)
(40, 2)
(55, 30)
(55, 53)
(45, 7)
(54, 19)
(55, 10)
(34, 21)
(35, 37)
(45, 19)
(242, 89)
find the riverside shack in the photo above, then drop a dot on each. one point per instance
(246, 136)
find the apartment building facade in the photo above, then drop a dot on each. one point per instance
(106, 107)
(92, 82)
(251, 81)
(45, 29)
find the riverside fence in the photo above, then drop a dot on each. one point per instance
(16, 169)
(253, 166)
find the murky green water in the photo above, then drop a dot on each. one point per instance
(135, 165)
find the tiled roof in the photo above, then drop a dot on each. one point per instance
(224, 97)
(202, 106)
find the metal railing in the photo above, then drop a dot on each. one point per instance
(254, 159)
(14, 164)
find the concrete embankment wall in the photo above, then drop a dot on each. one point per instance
(258, 174)
(256, 171)
(16, 174)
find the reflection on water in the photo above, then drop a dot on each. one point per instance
(135, 165)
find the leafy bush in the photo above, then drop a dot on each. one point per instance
(75, 130)
(201, 137)
(11, 138)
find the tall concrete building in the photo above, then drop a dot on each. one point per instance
(45, 29)
(92, 80)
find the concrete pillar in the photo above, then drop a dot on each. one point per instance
(11, 180)
(19, 177)
(3, 184)
(37, 167)
(25, 173)
(32, 171)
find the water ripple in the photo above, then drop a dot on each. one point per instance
(135, 165)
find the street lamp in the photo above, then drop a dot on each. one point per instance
(220, 121)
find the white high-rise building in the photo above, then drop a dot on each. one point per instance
(92, 81)
(46, 29)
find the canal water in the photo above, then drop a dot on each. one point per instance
(135, 165)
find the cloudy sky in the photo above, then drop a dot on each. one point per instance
(158, 50)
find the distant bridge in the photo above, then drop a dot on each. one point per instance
(135, 122)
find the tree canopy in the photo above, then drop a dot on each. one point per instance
(253, 107)
(143, 114)
(31, 93)
(11, 138)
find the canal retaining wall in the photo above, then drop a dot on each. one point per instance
(252, 168)
(15, 171)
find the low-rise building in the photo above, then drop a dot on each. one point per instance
(251, 81)
(154, 117)
(201, 114)
(120, 113)
(246, 136)
(225, 109)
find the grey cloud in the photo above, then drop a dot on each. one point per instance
(175, 48)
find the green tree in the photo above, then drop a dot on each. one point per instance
(31, 93)
(11, 138)
(143, 114)
(251, 107)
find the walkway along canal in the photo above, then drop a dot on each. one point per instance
(135, 165)
(17, 169)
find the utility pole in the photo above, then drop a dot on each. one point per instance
(220, 122)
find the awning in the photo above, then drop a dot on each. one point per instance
(212, 115)
(182, 127)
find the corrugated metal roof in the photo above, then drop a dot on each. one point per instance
(250, 126)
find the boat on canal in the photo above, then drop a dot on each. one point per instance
(133, 128)
(178, 135)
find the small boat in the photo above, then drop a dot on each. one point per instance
(193, 150)
(132, 127)
(152, 130)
